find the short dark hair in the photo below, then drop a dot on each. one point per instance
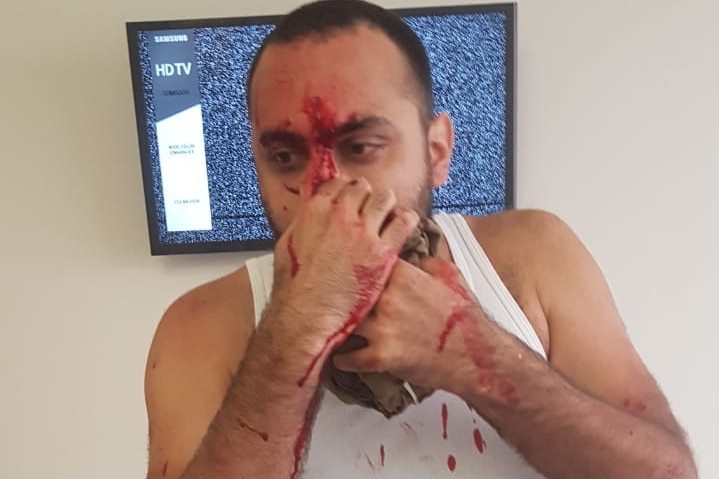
(326, 17)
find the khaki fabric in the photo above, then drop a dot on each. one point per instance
(381, 391)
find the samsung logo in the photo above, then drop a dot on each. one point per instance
(170, 38)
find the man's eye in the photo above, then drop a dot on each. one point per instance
(285, 159)
(359, 149)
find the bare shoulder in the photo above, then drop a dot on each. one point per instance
(535, 249)
(585, 337)
(543, 249)
(197, 347)
(524, 246)
(521, 228)
(201, 320)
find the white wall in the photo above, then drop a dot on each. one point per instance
(617, 131)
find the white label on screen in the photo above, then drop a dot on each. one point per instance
(184, 171)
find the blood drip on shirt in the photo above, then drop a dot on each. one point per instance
(408, 429)
(479, 441)
(323, 133)
(444, 420)
(370, 463)
(381, 455)
(451, 463)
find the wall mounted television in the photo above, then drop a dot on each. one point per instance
(200, 185)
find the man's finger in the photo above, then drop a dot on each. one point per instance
(399, 228)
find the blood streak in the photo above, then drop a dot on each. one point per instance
(479, 352)
(674, 470)
(479, 441)
(444, 420)
(323, 124)
(369, 461)
(370, 281)
(451, 463)
(507, 391)
(294, 191)
(295, 264)
(636, 406)
(304, 434)
(449, 326)
(381, 455)
(263, 435)
(164, 469)
(450, 278)
(408, 429)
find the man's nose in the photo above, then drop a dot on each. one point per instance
(322, 166)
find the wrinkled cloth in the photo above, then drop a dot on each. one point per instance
(382, 391)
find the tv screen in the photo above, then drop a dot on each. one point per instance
(200, 183)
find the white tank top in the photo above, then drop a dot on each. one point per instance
(439, 438)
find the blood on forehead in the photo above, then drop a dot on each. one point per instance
(324, 129)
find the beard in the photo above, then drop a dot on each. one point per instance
(421, 202)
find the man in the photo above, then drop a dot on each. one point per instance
(511, 324)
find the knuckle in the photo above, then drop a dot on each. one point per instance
(407, 220)
(363, 184)
(378, 360)
(386, 197)
(386, 306)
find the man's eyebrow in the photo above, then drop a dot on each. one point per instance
(287, 137)
(356, 124)
(282, 136)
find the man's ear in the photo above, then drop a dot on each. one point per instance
(440, 139)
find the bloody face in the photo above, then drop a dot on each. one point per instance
(324, 133)
(337, 107)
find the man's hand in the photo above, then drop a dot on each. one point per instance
(335, 257)
(428, 329)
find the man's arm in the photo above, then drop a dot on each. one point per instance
(330, 266)
(566, 432)
(193, 358)
(263, 425)
(191, 383)
(602, 402)
(592, 411)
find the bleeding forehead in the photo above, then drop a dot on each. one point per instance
(344, 69)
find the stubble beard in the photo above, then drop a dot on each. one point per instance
(421, 203)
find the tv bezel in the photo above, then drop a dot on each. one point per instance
(509, 9)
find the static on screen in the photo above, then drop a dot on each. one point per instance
(200, 181)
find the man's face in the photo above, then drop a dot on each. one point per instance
(341, 106)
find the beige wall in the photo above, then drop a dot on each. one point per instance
(617, 133)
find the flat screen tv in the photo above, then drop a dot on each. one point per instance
(200, 183)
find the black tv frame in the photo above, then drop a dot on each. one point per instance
(509, 9)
